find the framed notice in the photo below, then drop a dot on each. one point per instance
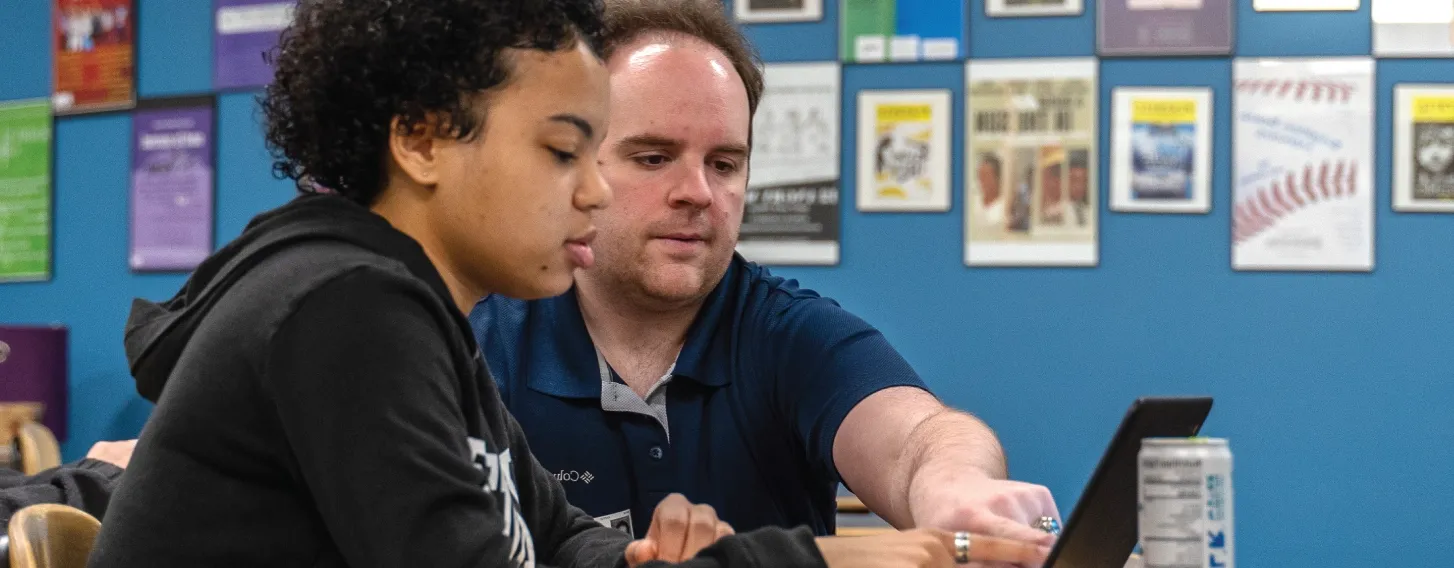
(1305, 5)
(244, 30)
(1302, 167)
(903, 150)
(764, 11)
(1030, 194)
(94, 55)
(1413, 28)
(1164, 27)
(791, 214)
(1161, 150)
(25, 190)
(172, 178)
(1423, 148)
(1013, 8)
(876, 31)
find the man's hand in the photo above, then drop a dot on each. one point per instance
(678, 531)
(925, 548)
(972, 501)
(115, 453)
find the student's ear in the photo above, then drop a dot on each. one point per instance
(415, 149)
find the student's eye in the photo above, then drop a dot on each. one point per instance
(725, 166)
(563, 156)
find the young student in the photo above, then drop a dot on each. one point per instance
(320, 398)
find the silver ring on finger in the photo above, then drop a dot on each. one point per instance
(1048, 524)
(961, 547)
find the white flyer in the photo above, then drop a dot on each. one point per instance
(1413, 28)
(1302, 182)
(1304, 5)
(791, 211)
(903, 150)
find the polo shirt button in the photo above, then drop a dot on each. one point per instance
(655, 452)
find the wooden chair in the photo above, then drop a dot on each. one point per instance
(39, 450)
(51, 536)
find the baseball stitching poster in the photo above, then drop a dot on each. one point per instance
(1030, 191)
(1302, 185)
(876, 31)
(791, 210)
(94, 55)
(1423, 148)
(1161, 140)
(903, 150)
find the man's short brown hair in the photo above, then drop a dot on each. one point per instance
(628, 20)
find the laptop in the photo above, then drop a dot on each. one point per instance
(1101, 530)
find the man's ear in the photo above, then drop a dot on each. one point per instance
(415, 150)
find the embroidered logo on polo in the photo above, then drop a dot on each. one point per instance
(500, 479)
(573, 475)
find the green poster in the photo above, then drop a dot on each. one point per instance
(868, 27)
(25, 190)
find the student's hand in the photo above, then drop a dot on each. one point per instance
(926, 548)
(115, 453)
(678, 531)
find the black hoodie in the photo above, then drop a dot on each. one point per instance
(325, 404)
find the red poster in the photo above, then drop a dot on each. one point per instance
(95, 55)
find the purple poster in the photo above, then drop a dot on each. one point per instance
(171, 184)
(33, 369)
(1164, 27)
(243, 31)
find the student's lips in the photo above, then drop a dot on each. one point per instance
(579, 250)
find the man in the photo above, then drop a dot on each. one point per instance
(673, 365)
(991, 190)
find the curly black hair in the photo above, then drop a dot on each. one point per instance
(344, 69)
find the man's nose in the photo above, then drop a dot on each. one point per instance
(694, 190)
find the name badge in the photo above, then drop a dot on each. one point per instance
(620, 521)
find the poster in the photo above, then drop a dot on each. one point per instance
(1008, 8)
(94, 60)
(1164, 27)
(1161, 150)
(243, 30)
(903, 30)
(1302, 168)
(172, 172)
(1031, 197)
(1423, 148)
(1413, 28)
(1305, 5)
(762, 11)
(25, 190)
(791, 212)
(903, 150)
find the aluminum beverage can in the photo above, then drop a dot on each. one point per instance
(1184, 503)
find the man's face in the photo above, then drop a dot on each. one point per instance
(1078, 184)
(676, 159)
(989, 182)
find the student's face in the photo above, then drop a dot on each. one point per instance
(676, 158)
(514, 205)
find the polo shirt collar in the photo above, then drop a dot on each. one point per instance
(558, 334)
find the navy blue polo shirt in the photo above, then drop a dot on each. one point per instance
(744, 421)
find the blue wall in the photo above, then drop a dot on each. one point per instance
(1328, 385)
